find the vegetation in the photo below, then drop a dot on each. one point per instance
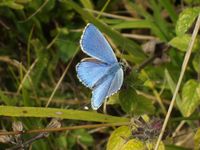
(39, 49)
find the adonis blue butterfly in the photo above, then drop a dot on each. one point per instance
(101, 72)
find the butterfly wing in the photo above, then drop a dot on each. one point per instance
(116, 82)
(90, 70)
(109, 86)
(100, 92)
(95, 45)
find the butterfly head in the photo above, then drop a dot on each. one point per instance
(124, 66)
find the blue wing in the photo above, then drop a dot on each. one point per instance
(116, 82)
(100, 92)
(90, 70)
(109, 86)
(95, 45)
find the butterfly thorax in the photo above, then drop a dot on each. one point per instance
(112, 70)
(114, 67)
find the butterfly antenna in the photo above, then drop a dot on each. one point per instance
(121, 54)
(122, 60)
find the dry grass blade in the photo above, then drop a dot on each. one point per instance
(27, 75)
(37, 11)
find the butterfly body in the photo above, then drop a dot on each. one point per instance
(102, 73)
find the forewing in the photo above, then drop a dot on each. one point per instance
(95, 45)
(116, 82)
(89, 71)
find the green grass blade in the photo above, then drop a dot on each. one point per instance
(169, 7)
(158, 20)
(41, 112)
(151, 20)
(133, 24)
(87, 4)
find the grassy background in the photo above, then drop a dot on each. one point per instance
(39, 49)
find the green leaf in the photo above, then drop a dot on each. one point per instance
(59, 113)
(186, 19)
(197, 140)
(181, 42)
(114, 99)
(127, 98)
(83, 136)
(196, 62)
(62, 141)
(49, 6)
(151, 145)
(71, 141)
(118, 138)
(133, 144)
(131, 102)
(66, 49)
(190, 97)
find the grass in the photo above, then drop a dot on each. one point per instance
(40, 92)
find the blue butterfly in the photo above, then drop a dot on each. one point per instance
(101, 72)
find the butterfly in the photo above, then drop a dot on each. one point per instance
(102, 73)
